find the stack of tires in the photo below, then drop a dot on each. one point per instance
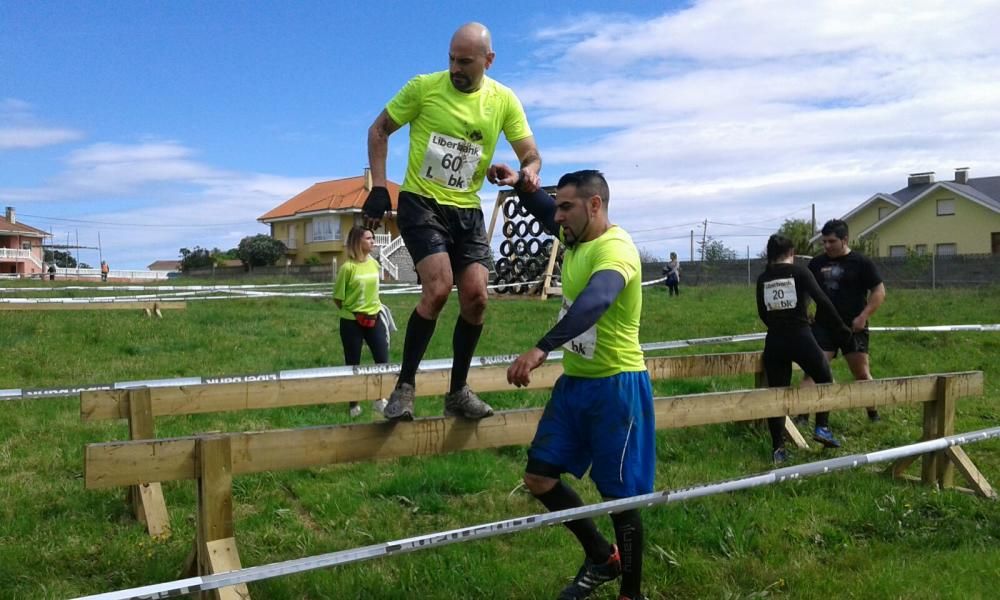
(524, 253)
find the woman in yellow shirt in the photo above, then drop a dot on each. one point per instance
(356, 295)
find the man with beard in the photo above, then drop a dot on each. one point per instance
(455, 117)
(600, 416)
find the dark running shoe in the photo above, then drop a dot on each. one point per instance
(400, 406)
(800, 419)
(824, 436)
(591, 575)
(465, 403)
(873, 415)
(780, 456)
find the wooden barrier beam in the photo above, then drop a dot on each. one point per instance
(113, 464)
(144, 306)
(205, 398)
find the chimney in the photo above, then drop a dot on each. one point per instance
(368, 179)
(11, 215)
(962, 175)
(920, 178)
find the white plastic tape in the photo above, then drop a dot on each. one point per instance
(476, 532)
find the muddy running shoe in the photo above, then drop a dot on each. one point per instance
(355, 410)
(400, 406)
(592, 575)
(824, 436)
(465, 403)
(780, 456)
(378, 406)
(873, 415)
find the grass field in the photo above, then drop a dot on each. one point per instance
(854, 534)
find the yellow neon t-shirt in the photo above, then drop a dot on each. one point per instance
(357, 288)
(612, 345)
(453, 134)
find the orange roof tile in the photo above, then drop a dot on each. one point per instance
(20, 229)
(339, 194)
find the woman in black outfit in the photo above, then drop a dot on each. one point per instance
(783, 293)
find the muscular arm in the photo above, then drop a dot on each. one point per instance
(593, 301)
(876, 296)
(378, 146)
(531, 161)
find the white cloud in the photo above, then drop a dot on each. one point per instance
(19, 128)
(727, 109)
(167, 199)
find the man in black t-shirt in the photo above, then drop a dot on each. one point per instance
(852, 282)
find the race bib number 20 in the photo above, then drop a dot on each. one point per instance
(779, 294)
(451, 162)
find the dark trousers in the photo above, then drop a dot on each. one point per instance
(781, 349)
(352, 335)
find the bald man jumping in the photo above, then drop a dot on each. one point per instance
(456, 117)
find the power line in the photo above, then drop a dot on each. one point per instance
(119, 224)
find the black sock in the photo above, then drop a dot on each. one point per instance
(823, 419)
(594, 545)
(628, 535)
(418, 334)
(777, 427)
(464, 342)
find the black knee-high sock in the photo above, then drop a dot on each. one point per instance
(464, 342)
(777, 427)
(418, 334)
(628, 535)
(823, 419)
(594, 545)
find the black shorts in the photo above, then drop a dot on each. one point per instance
(431, 228)
(858, 342)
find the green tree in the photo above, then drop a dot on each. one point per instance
(196, 259)
(60, 259)
(714, 250)
(800, 231)
(260, 250)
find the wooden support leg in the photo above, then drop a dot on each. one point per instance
(793, 434)
(146, 499)
(961, 460)
(216, 545)
(156, 310)
(945, 417)
(928, 470)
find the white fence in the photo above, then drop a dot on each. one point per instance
(62, 273)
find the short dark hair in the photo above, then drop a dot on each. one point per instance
(588, 182)
(778, 247)
(835, 227)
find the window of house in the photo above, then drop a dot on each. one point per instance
(946, 249)
(945, 207)
(883, 212)
(920, 249)
(26, 245)
(324, 229)
(897, 250)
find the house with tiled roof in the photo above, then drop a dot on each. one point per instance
(314, 224)
(961, 216)
(20, 246)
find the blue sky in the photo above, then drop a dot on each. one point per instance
(170, 124)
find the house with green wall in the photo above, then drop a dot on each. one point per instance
(961, 216)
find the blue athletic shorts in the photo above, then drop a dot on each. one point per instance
(606, 424)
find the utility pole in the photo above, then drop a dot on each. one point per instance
(814, 219)
(704, 239)
(100, 250)
(692, 245)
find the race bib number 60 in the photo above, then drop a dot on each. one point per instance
(451, 162)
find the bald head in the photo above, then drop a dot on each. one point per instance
(474, 35)
(470, 54)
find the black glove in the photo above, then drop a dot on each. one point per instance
(377, 203)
